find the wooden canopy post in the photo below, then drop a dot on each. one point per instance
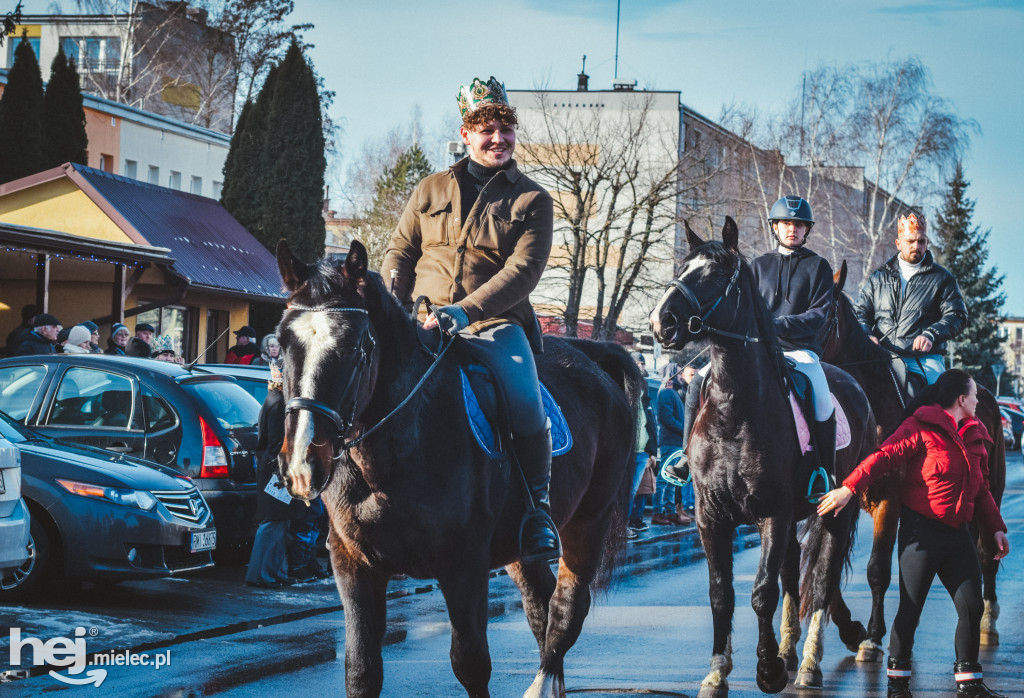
(43, 282)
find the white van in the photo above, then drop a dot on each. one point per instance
(14, 521)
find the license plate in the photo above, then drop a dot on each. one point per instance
(204, 540)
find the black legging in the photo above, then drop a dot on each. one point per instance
(928, 548)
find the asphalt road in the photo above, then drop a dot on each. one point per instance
(650, 635)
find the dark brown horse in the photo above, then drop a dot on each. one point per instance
(846, 345)
(413, 493)
(746, 461)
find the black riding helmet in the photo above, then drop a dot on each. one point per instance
(791, 208)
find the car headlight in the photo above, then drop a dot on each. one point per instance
(129, 498)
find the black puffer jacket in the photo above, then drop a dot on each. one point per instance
(798, 289)
(932, 306)
(33, 343)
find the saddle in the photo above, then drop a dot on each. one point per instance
(801, 400)
(488, 419)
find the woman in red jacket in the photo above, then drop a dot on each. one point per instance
(940, 451)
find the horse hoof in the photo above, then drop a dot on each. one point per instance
(719, 691)
(545, 686)
(989, 638)
(809, 679)
(772, 676)
(869, 651)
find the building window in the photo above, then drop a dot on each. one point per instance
(13, 42)
(131, 169)
(216, 188)
(174, 181)
(1020, 333)
(106, 162)
(97, 58)
(197, 185)
(154, 175)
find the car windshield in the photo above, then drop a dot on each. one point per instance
(232, 407)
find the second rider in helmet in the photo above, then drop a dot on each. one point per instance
(796, 284)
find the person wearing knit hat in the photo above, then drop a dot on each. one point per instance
(94, 336)
(163, 349)
(43, 337)
(78, 340)
(118, 340)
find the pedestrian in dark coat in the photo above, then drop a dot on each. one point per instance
(245, 349)
(19, 333)
(43, 337)
(670, 441)
(268, 563)
(118, 340)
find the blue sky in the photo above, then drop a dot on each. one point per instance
(386, 58)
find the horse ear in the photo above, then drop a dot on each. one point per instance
(839, 278)
(731, 235)
(293, 271)
(357, 261)
(692, 238)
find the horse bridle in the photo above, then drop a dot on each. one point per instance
(365, 353)
(697, 324)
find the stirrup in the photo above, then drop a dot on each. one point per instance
(669, 476)
(830, 485)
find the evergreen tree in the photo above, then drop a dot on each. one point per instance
(64, 138)
(245, 172)
(965, 254)
(292, 201)
(393, 189)
(21, 116)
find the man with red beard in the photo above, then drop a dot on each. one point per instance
(475, 240)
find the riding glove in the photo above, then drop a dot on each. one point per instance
(452, 319)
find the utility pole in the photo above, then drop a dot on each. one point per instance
(618, 13)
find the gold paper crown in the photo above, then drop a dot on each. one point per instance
(478, 92)
(911, 224)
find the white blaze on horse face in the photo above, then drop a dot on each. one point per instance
(318, 339)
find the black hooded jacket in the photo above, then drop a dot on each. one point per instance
(931, 306)
(798, 289)
(34, 343)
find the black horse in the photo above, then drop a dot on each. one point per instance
(846, 345)
(746, 461)
(418, 495)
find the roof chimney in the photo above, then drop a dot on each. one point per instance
(582, 76)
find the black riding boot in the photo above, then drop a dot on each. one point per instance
(969, 683)
(899, 678)
(825, 449)
(538, 537)
(680, 470)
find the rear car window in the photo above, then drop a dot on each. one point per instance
(18, 388)
(230, 405)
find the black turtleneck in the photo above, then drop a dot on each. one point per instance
(473, 180)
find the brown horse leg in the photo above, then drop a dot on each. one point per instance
(363, 595)
(772, 676)
(989, 567)
(851, 632)
(536, 583)
(790, 631)
(886, 517)
(464, 586)
(717, 541)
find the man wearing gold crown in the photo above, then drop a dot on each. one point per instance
(475, 240)
(911, 305)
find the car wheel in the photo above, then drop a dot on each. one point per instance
(28, 578)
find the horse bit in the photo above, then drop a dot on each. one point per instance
(697, 324)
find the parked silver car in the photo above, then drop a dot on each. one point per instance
(14, 517)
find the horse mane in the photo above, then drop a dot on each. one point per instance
(857, 341)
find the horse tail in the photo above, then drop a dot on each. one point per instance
(812, 550)
(615, 361)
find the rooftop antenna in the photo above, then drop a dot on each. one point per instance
(188, 367)
(618, 12)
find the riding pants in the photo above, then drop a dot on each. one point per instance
(808, 364)
(505, 350)
(928, 547)
(931, 366)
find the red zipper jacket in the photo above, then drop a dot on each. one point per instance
(944, 472)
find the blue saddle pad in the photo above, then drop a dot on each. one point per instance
(561, 438)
